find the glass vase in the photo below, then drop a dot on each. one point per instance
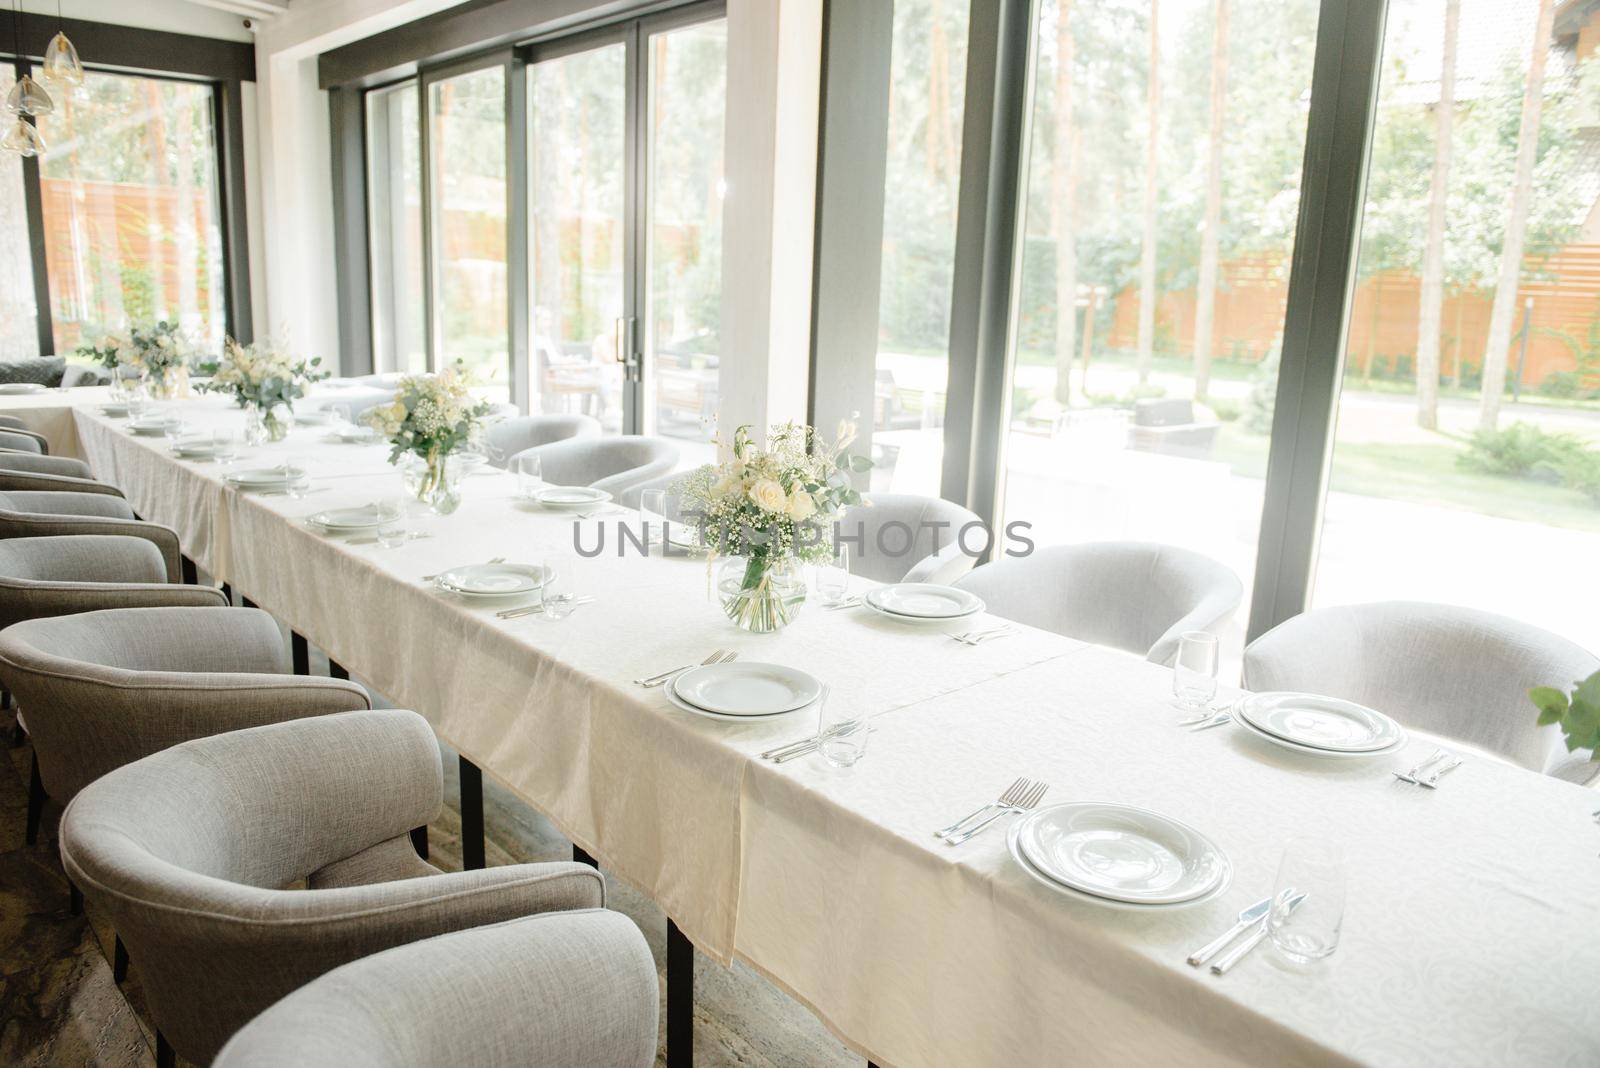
(277, 421)
(255, 428)
(169, 384)
(434, 480)
(761, 595)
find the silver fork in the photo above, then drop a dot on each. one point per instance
(657, 680)
(978, 637)
(1411, 776)
(496, 560)
(1432, 781)
(1009, 796)
(1029, 800)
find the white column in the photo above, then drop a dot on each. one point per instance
(770, 165)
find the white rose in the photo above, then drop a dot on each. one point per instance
(801, 506)
(768, 496)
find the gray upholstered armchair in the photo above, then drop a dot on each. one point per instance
(1441, 668)
(103, 688)
(614, 464)
(931, 553)
(546, 991)
(63, 574)
(59, 503)
(13, 480)
(190, 851)
(37, 464)
(505, 439)
(18, 524)
(15, 435)
(1136, 596)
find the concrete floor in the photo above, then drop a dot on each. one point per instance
(59, 1006)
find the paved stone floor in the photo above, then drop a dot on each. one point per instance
(59, 1006)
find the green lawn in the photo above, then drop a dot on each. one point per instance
(1424, 474)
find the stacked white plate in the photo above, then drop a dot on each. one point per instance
(194, 448)
(349, 520)
(922, 602)
(151, 426)
(12, 388)
(264, 478)
(1118, 855)
(743, 690)
(312, 417)
(493, 582)
(355, 435)
(569, 498)
(1320, 726)
(115, 409)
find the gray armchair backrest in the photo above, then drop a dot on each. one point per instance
(189, 851)
(1454, 671)
(15, 525)
(550, 991)
(104, 688)
(31, 481)
(11, 422)
(38, 502)
(22, 441)
(357, 402)
(902, 537)
(614, 464)
(1136, 596)
(77, 374)
(32, 463)
(505, 439)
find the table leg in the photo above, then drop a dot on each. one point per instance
(300, 650)
(165, 1055)
(581, 857)
(247, 602)
(419, 840)
(337, 670)
(119, 962)
(680, 998)
(471, 815)
(227, 593)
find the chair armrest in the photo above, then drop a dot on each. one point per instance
(71, 598)
(37, 502)
(163, 538)
(33, 480)
(942, 567)
(39, 443)
(33, 462)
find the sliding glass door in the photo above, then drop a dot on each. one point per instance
(19, 333)
(1161, 199)
(394, 230)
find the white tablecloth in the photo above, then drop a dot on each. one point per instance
(1472, 933)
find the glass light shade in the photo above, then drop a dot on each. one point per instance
(23, 138)
(29, 98)
(61, 64)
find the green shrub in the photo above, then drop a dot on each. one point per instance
(1580, 470)
(1225, 409)
(1520, 450)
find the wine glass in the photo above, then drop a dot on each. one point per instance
(1194, 672)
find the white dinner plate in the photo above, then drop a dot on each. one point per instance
(923, 602)
(681, 704)
(355, 435)
(1311, 750)
(1013, 844)
(493, 581)
(570, 498)
(366, 517)
(1318, 722)
(1121, 852)
(746, 688)
(151, 426)
(195, 449)
(115, 410)
(263, 477)
(13, 388)
(312, 417)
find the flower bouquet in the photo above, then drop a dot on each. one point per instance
(766, 511)
(432, 416)
(158, 355)
(266, 381)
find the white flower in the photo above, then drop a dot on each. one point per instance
(768, 495)
(801, 506)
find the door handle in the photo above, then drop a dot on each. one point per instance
(626, 353)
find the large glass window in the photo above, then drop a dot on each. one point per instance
(577, 194)
(1162, 197)
(132, 215)
(928, 75)
(19, 332)
(688, 79)
(467, 142)
(1466, 462)
(394, 206)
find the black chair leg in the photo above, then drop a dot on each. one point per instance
(119, 962)
(74, 898)
(191, 573)
(165, 1057)
(580, 856)
(680, 998)
(471, 815)
(337, 670)
(300, 650)
(227, 593)
(419, 841)
(36, 797)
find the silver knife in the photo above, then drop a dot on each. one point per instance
(1244, 948)
(1252, 915)
(1432, 781)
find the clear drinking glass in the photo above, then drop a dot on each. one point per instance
(177, 430)
(225, 445)
(138, 403)
(298, 484)
(843, 735)
(1308, 932)
(530, 474)
(1194, 672)
(556, 595)
(833, 577)
(653, 515)
(392, 528)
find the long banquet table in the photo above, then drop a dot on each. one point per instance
(1471, 934)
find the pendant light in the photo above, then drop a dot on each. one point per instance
(62, 68)
(27, 97)
(23, 138)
